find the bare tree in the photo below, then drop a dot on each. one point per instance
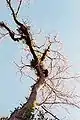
(51, 73)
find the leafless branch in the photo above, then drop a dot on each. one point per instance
(13, 13)
(56, 118)
(18, 7)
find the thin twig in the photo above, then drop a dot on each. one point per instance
(56, 118)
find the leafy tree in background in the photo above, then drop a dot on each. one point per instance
(50, 88)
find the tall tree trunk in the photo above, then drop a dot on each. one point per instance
(22, 114)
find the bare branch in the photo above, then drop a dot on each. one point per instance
(13, 13)
(56, 118)
(45, 52)
(18, 7)
(11, 33)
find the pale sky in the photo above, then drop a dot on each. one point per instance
(50, 16)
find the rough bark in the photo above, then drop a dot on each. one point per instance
(21, 114)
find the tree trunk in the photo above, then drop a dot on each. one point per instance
(22, 113)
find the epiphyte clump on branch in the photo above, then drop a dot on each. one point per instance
(45, 72)
(34, 64)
